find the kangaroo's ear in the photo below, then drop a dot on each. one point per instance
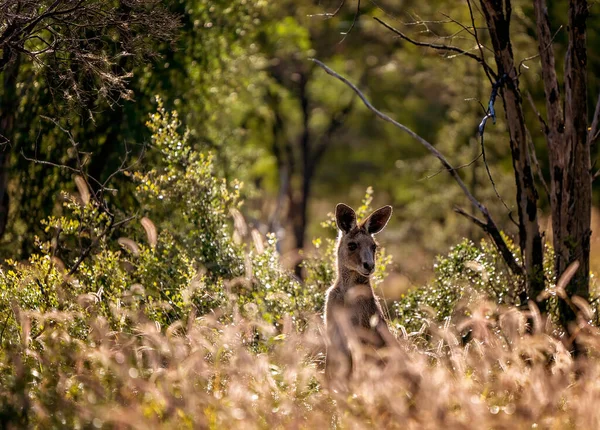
(378, 220)
(345, 217)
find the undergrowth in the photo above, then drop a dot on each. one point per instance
(184, 318)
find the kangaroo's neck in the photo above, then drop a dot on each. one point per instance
(348, 278)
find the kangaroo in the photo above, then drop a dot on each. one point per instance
(353, 315)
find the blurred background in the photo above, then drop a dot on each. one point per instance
(239, 75)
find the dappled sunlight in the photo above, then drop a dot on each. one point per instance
(205, 372)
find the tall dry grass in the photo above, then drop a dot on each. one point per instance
(484, 371)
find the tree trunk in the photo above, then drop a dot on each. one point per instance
(571, 168)
(497, 15)
(299, 205)
(8, 109)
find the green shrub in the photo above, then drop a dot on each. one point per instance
(468, 273)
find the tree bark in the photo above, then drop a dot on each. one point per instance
(571, 168)
(300, 205)
(568, 151)
(8, 109)
(497, 15)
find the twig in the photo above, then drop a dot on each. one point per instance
(50, 163)
(533, 57)
(329, 15)
(110, 226)
(98, 196)
(460, 24)
(473, 218)
(491, 226)
(354, 20)
(543, 123)
(491, 113)
(491, 76)
(462, 166)
(448, 48)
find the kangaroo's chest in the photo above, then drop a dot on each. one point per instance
(359, 305)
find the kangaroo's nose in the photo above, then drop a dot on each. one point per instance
(369, 267)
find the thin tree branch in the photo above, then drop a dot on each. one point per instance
(439, 47)
(462, 166)
(533, 57)
(540, 118)
(497, 238)
(536, 163)
(491, 76)
(354, 20)
(329, 15)
(491, 113)
(491, 227)
(479, 222)
(460, 24)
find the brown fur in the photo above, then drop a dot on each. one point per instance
(353, 317)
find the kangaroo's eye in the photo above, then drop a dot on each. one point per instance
(352, 246)
(374, 247)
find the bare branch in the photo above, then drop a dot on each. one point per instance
(491, 113)
(536, 163)
(480, 223)
(462, 166)
(354, 20)
(407, 130)
(545, 128)
(491, 76)
(491, 227)
(460, 24)
(447, 48)
(533, 57)
(331, 14)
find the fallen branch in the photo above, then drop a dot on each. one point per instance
(490, 226)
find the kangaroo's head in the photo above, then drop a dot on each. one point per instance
(356, 246)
